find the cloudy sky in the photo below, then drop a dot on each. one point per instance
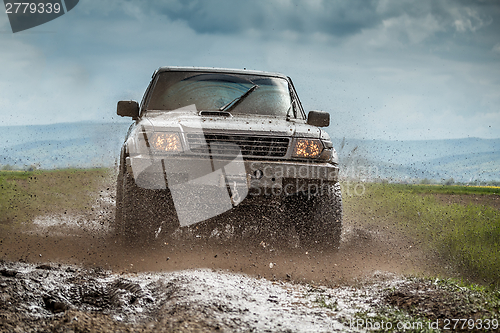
(384, 69)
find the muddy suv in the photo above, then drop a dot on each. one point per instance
(208, 141)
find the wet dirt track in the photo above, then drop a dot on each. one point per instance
(362, 252)
(87, 239)
(192, 283)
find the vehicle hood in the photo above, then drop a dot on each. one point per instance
(190, 121)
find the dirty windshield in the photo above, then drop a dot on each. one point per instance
(211, 92)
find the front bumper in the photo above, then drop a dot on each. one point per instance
(202, 187)
(163, 172)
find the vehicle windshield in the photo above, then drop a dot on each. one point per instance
(213, 91)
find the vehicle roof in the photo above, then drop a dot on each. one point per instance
(218, 70)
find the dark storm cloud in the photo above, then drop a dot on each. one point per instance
(230, 17)
(335, 18)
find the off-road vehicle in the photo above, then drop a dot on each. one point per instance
(206, 140)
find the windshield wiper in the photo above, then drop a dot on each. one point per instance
(290, 109)
(231, 105)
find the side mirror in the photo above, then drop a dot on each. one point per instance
(128, 109)
(318, 118)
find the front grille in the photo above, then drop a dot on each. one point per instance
(230, 145)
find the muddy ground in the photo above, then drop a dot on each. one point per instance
(482, 200)
(68, 272)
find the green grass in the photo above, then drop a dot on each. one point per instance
(26, 194)
(447, 189)
(468, 236)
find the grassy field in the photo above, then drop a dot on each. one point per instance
(447, 189)
(468, 236)
(24, 195)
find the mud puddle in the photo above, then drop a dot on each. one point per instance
(66, 298)
(51, 297)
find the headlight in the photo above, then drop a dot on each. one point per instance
(307, 148)
(165, 142)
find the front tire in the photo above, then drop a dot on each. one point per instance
(143, 215)
(319, 217)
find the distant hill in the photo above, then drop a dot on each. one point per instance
(82, 144)
(464, 160)
(91, 144)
